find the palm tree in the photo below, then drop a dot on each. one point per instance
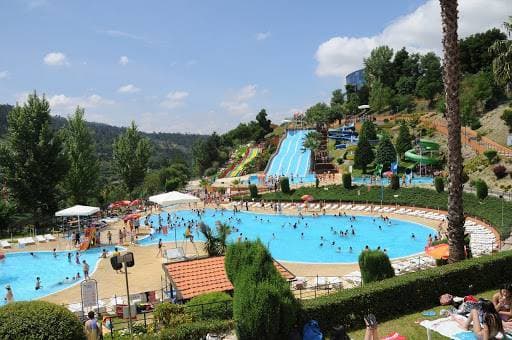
(451, 61)
(215, 245)
(312, 141)
(502, 63)
(236, 183)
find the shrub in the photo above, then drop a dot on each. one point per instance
(375, 266)
(491, 155)
(507, 117)
(253, 189)
(347, 181)
(285, 185)
(439, 184)
(317, 182)
(171, 315)
(464, 177)
(481, 189)
(409, 293)
(475, 124)
(210, 171)
(500, 171)
(215, 305)
(339, 161)
(263, 305)
(38, 320)
(395, 182)
(196, 330)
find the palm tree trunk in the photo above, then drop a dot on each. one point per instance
(449, 14)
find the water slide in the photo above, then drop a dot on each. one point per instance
(89, 236)
(253, 152)
(292, 159)
(426, 153)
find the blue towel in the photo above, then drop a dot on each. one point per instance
(429, 313)
(465, 336)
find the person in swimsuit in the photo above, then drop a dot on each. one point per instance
(502, 301)
(486, 321)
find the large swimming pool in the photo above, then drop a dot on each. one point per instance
(310, 239)
(19, 270)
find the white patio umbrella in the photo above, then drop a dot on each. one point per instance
(173, 198)
(77, 210)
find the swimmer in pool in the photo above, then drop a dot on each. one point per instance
(338, 250)
(350, 249)
(38, 283)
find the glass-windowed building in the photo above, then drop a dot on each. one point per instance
(356, 78)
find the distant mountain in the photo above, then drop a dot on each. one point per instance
(166, 146)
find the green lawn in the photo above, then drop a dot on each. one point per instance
(408, 327)
(489, 210)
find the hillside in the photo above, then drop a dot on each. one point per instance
(166, 146)
(493, 126)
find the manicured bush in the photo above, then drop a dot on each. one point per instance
(491, 155)
(500, 171)
(347, 181)
(464, 177)
(395, 182)
(409, 293)
(439, 184)
(375, 266)
(263, 305)
(339, 161)
(317, 182)
(253, 189)
(215, 305)
(285, 185)
(196, 330)
(39, 320)
(171, 315)
(481, 189)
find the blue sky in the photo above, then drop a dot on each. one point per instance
(200, 66)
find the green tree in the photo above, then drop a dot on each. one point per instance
(81, 181)
(507, 117)
(406, 85)
(403, 141)
(32, 158)
(368, 130)
(430, 82)
(378, 66)
(216, 243)
(318, 113)
(502, 52)
(363, 155)
(352, 103)
(380, 96)
(474, 50)
(386, 153)
(131, 152)
(337, 106)
(7, 213)
(263, 122)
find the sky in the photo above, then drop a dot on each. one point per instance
(202, 66)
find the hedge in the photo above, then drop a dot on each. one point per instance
(347, 181)
(39, 320)
(401, 295)
(196, 330)
(253, 189)
(375, 266)
(489, 210)
(285, 185)
(439, 184)
(214, 305)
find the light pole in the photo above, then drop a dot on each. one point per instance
(502, 203)
(117, 263)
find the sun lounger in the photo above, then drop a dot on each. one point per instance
(175, 254)
(5, 244)
(29, 240)
(40, 238)
(50, 237)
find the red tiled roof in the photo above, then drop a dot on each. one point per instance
(205, 275)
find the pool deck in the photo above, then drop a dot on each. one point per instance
(147, 274)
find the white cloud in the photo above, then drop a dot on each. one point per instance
(174, 99)
(237, 103)
(129, 88)
(4, 74)
(124, 60)
(418, 31)
(56, 59)
(262, 35)
(61, 102)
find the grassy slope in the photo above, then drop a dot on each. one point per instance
(489, 209)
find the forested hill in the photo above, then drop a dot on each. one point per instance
(166, 146)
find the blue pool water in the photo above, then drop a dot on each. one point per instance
(19, 270)
(286, 243)
(385, 180)
(292, 160)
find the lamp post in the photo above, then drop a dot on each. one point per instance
(117, 263)
(502, 203)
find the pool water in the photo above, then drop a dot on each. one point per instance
(19, 270)
(286, 243)
(385, 180)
